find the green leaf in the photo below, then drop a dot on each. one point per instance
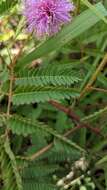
(39, 186)
(8, 167)
(24, 126)
(49, 75)
(27, 95)
(5, 5)
(93, 8)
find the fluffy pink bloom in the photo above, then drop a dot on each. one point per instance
(47, 16)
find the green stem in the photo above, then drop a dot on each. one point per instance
(95, 115)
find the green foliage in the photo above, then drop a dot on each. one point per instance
(10, 174)
(40, 186)
(46, 83)
(28, 95)
(56, 75)
(37, 173)
(5, 5)
(24, 126)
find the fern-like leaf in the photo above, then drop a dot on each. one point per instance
(38, 186)
(39, 171)
(45, 80)
(10, 175)
(32, 94)
(24, 126)
(48, 75)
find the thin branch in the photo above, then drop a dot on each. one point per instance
(39, 153)
(66, 110)
(74, 117)
(97, 89)
(10, 90)
(12, 80)
(95, 74)
(49, 146)
(77, 8)
(11, 67)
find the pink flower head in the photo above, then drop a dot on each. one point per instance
(47, 16)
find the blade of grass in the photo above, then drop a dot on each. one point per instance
(68, 33)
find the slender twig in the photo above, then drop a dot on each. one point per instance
(49, 146)
(39, 153)
(12, 79)
(11, 67)
(77, 8)
(95, 115)
(96, 89)
(10, 90)
(94, 76)
(98, 70)
(74, 117)
(66, 110)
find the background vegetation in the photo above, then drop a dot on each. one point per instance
(53, 102)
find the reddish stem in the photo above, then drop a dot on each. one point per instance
(74, 117)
